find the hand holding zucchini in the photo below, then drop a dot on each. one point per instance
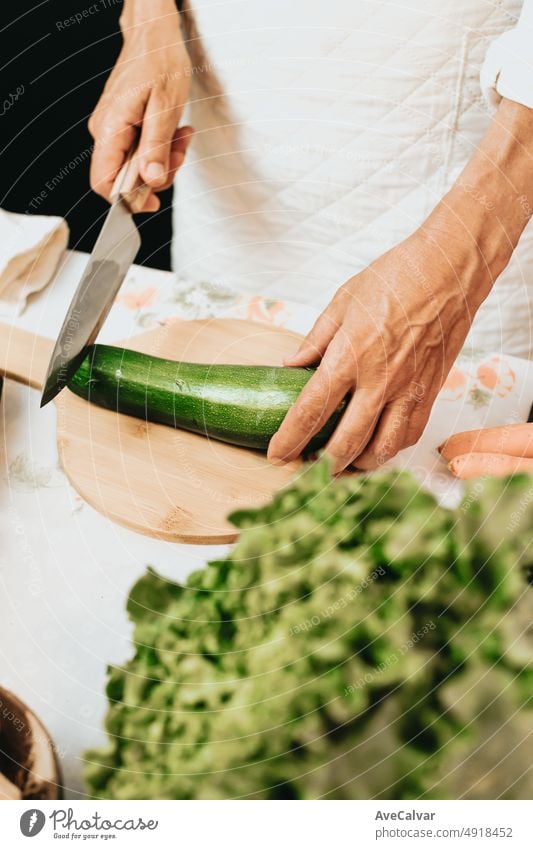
(242, 405)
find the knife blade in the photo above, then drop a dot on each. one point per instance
(112, 255)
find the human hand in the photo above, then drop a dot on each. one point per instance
(392, 332)
(146, 91)
(495, 451)
(388, 339)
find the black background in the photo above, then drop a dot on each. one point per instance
(63, 71)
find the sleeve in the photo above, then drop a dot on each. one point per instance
(508, 67)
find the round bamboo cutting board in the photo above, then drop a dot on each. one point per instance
(162, 482)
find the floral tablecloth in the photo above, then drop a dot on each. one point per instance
(65, 571)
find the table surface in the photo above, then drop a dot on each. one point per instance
(65, 571)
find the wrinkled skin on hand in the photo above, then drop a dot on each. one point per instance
(388, 338)
(392, 332)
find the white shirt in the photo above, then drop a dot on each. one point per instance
(508, 67)
(326, 133)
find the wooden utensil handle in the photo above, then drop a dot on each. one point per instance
(129, 185)
(24, 356)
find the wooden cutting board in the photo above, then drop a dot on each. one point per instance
(166, 483)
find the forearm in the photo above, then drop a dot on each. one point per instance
(150, 28)
(491, 202)
(139, 13)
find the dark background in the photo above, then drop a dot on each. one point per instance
(43, 134)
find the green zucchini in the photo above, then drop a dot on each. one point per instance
(243, 405)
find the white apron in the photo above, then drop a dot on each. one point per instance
(325, 133)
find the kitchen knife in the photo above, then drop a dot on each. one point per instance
(113, 253)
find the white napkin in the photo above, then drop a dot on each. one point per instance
(31, 247)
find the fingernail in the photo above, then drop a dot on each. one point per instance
(273, 456)
(155, 173)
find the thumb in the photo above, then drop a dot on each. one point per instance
(158, 128)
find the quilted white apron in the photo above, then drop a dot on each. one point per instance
(325, 133)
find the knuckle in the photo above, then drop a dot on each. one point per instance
(312, 340)
(367, 462)
(164, 84)
(346, 370)
(306, 416)
(98, 127)
(156, 141)
(104, 133)
(345, 447)
(385, 450)
(390, 442)
(101, 123)
(328, 320)
(335, 371)
(343, 294)
(163, 96)
(413, 436)
(157, 132)
(387, 445)
(160, 86)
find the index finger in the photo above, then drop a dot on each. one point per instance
(111, 147)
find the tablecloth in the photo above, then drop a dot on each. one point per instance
(65, 571)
